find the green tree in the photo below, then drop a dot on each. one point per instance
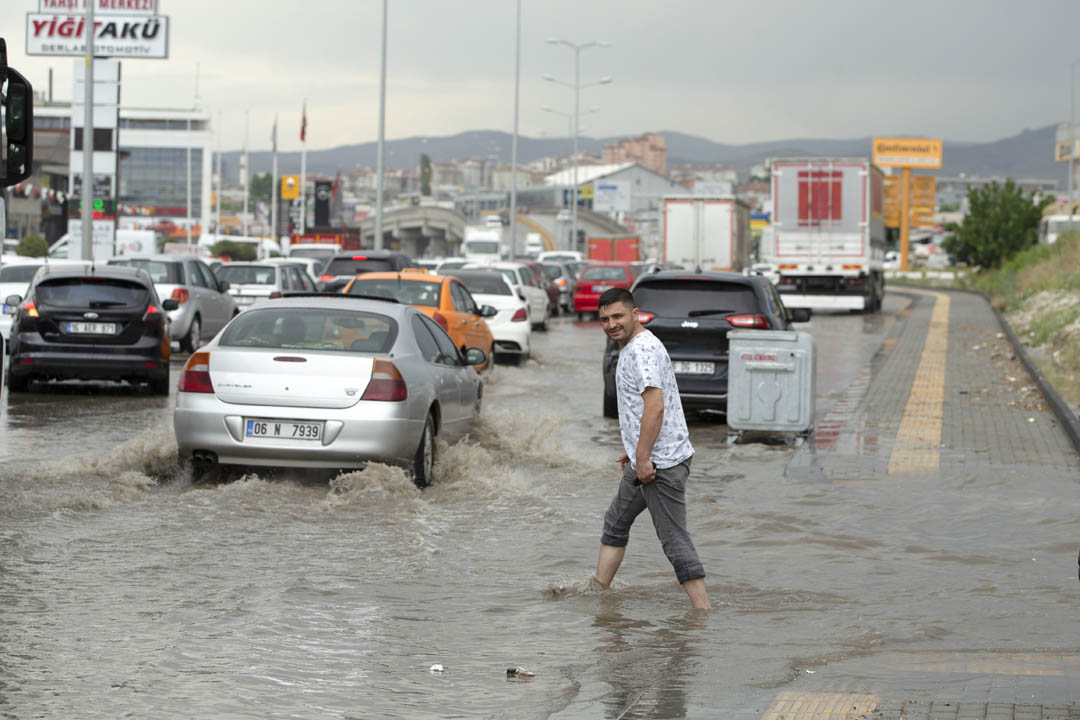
(32, 246)
(425, 175)
(261, 188)
(244, 252)
(1001, 221)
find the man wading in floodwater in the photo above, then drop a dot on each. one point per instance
(656, 463)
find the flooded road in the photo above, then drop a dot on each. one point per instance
(125, 589)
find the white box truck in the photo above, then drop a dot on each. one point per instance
(482, 244)
(827, 239)
(707, 232)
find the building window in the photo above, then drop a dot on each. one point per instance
(160, 124)
(156, 178)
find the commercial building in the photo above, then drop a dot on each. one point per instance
(152, 169)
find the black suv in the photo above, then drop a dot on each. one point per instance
(102, 323)
(344, 266)
(691, 313)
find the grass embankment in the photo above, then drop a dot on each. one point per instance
(1039, 292)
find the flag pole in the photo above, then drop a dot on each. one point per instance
(273, 190)
(303, 168)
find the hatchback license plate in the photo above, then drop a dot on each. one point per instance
(686, 367)
(287, 429)
(91, 328)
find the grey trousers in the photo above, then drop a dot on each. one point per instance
(665, 497)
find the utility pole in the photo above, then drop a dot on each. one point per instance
(514, 144)
(382, 139)
(88, 141)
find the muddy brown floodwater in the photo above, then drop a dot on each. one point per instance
(127, 590)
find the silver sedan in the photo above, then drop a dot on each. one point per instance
(327, 382)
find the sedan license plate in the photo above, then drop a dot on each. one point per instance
(600, 288)
(687, 367)
(90, 328)
(283, 429)
(244, 300)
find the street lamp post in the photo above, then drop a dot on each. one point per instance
(570, 133)
(1072, 134)
(379, 170)
(576, 85)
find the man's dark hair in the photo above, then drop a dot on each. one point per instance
(616, 295)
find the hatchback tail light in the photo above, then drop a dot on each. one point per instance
(153, 315)
(748, 321)
(645, 317)
(441, 319)
(520, 316)
(181, 296)
(386, 383)
(196, 376)
(28, 317)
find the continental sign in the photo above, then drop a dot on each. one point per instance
(907, 152)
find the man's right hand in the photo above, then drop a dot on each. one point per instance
(623, 459)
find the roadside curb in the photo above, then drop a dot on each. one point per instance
(1069, 421)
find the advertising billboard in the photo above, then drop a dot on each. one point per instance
(907, 152)
(119, 36)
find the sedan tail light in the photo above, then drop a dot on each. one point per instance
(386, 383)
(181, 296)
(326, 278)
(520, 316)
(196, 376)
(748, 321)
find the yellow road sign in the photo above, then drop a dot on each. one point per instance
(907, 152)
(290, 187)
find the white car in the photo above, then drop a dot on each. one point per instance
(510, 327)
(250, 283)
(15, 276)
(313, 266)
(523, 280)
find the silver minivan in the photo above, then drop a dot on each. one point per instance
(205, 304)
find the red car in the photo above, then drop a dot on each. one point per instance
(595, 279)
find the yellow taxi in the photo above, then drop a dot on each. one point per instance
(442, 298)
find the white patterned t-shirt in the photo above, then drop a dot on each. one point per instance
(644, 363)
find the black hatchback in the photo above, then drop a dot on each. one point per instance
(692, 313)
(343, 267)
(102, 323)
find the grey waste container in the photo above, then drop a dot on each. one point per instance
(770, 382)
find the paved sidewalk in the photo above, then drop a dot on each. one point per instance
(944, 397)
(990, 416)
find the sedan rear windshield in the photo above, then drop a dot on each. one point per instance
(18, 273)
(406, 292)
(599, 272)
(311, 329)
(160, 271)
(348, 266)
(554, 272)
(695, 298)
(247, 275)
(93, 292)
(317, 253)
(489, 283)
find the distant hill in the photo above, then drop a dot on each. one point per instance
(1028, 154)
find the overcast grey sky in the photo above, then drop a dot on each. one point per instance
(733, 72)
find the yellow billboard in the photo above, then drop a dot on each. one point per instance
(290, 187)
(907, 152)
